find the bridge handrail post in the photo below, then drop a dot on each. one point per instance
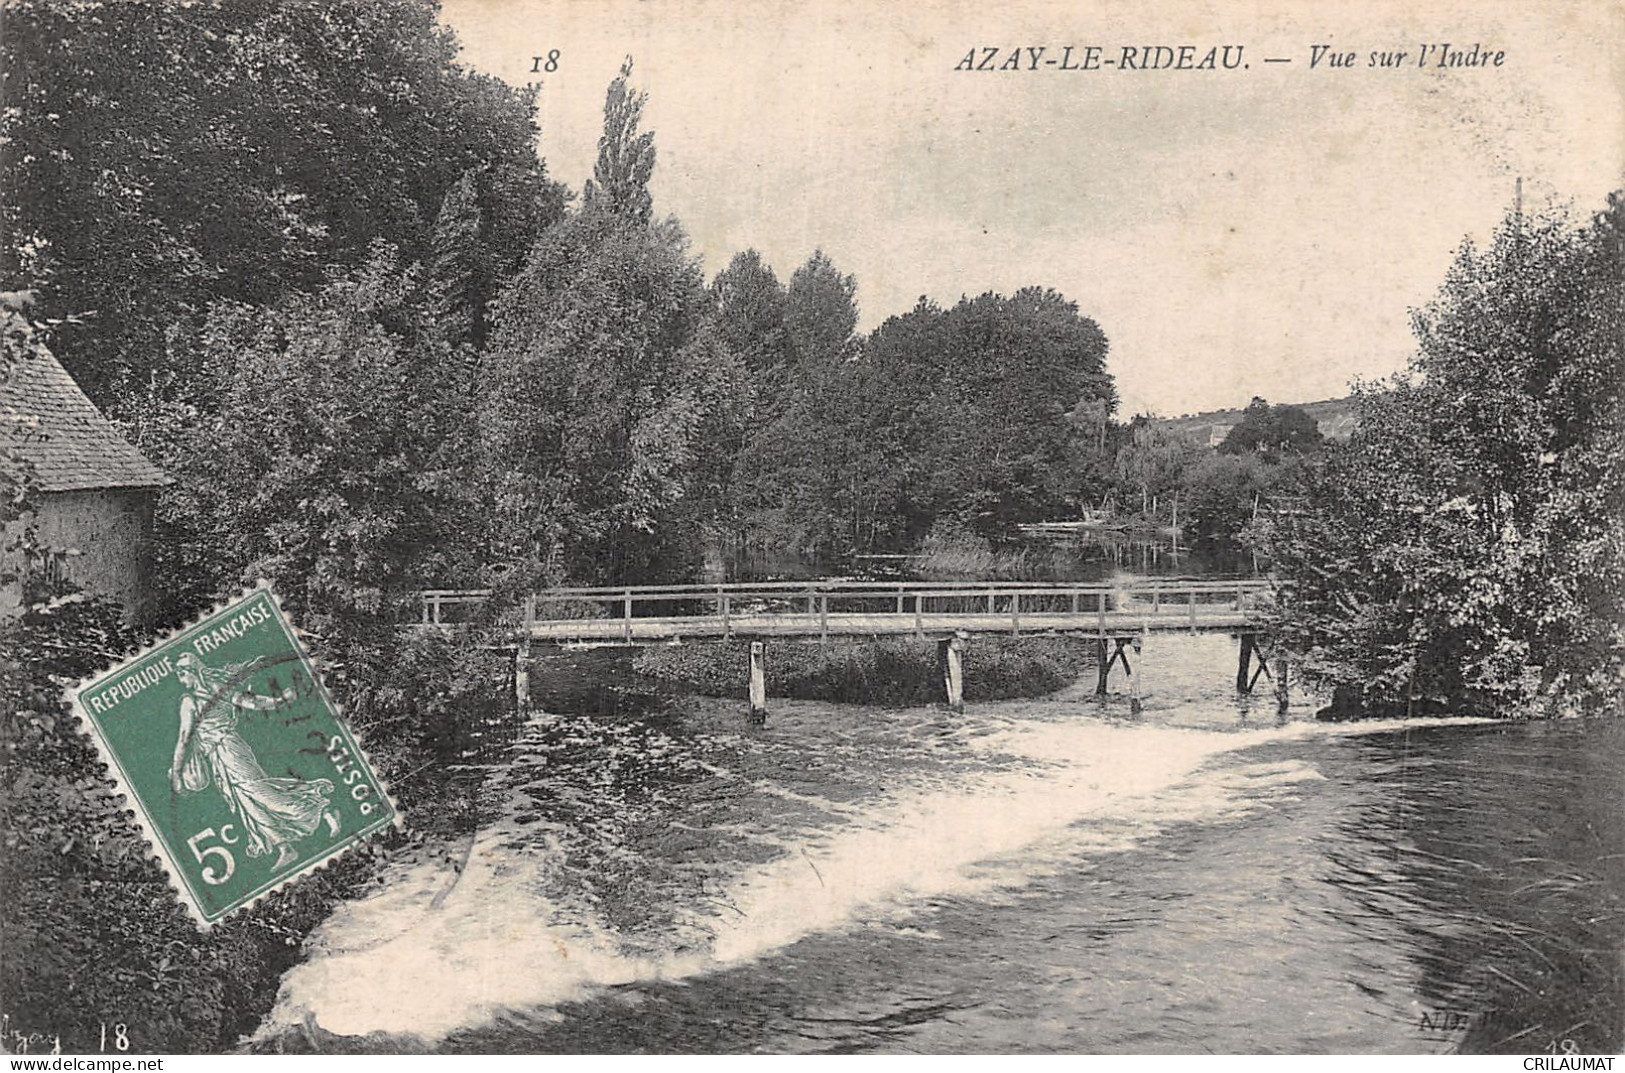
(628, 631)
(919, 626)
(823, 618)
(427, 600)
(1015, 614)
(1241, 596)
(1156, 597)
(727, 626)
(1193, 610)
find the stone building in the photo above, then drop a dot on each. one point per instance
(93, 491)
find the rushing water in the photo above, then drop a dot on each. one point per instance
(1046, 875)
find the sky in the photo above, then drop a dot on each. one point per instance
(1260, 231)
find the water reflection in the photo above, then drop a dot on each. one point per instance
(1512, 840)
(1089, 555)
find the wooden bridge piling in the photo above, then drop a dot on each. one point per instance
(1135, 673)
(758, 684)
(1247, 675)
(951, 660)
(521, 659)
(1244, 661)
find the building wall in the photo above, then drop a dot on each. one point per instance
(98, 540)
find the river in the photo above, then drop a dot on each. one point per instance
(1039, 875)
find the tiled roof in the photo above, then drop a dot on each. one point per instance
(49, 422)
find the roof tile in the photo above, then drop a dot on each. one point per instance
(49, 422)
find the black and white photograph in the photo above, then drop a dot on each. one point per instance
(616, 527)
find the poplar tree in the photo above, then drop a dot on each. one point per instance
(626, 158)
(456, 270)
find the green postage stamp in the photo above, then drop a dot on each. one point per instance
(232, 754)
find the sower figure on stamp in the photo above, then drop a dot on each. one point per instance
(274, 811)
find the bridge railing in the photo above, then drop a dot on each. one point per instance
(818, 600)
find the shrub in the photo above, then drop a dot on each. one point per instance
(951, 552)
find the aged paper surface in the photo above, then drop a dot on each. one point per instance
(860, 622)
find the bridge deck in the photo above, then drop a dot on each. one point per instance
(800, 625)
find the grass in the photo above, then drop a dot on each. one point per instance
(952, 553)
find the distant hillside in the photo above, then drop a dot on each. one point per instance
(1334, 417)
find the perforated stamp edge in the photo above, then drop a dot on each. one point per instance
(133, 805)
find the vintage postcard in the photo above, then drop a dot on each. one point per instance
(782, 528)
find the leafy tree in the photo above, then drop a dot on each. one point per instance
(317, 463)
(1466, 549)
(796, 482)
(599, 381)
(626, 157)
(1273, 430)
(1008, 375)
(840, 469)
(821, 310)
(751, 307)
(968, 413)
(161, 156)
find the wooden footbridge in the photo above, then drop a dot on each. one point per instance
(820, 610)
(816, 611)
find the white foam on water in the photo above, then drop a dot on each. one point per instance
(399, 963)
(491, 944)
(923, 844)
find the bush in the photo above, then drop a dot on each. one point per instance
(892, 672)
(420, 701)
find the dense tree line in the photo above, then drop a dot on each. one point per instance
(318, 270)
